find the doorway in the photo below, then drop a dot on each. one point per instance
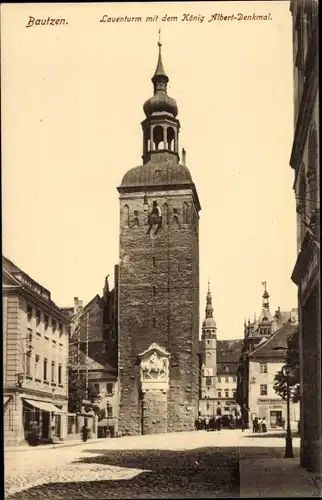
(275, 418)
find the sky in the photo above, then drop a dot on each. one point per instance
(72, 98)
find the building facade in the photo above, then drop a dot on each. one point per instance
(35, 359)
(93, 355)
(159, 279)
(218, 368)
(264, 362)
(256, 333)
(305, 163)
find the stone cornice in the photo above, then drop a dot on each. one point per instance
(163, 187)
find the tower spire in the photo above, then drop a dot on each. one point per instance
(265, 296)
(160, 78)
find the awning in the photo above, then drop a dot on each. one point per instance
(42, 405)
(5, 399)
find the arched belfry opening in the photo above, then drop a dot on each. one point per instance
(158, 138)
(161, 126)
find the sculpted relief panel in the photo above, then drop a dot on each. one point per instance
(154, 369)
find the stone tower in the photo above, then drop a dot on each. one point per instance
(159, 278)
(209, 352)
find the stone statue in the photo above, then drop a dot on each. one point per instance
(155, 218)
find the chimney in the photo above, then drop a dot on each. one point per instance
(75, 301)
(183, 156)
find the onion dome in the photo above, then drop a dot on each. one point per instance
(160, 101)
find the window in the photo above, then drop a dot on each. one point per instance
(153, 261)
(136, 213)
(209, 381)
(226, 379)
(28, 365)
(45, 369)
(38, 316)
(60, 374)
(53, 371)
(219, 394)
(263, 367)
(154, 322)
(53, 325)
(29, 313)
(227, 369)
(109, 411)
(175, 210)
(263, 390)
(96, 388)
(46, 322)
(153, 290)
(226, 394)
(60, 329)
(234, 378)
(234, 394)
(219, 379)
(109, 388)
(37, 374)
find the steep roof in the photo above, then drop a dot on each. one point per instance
(278, 339)
(97, 358)
(228, 351)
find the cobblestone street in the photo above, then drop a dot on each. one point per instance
(196, 464)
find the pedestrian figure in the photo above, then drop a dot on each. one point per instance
(85, 431)
(255, 425)
(264, 425)
(243, 425)
(207, 423)
(260, 426)
(283, 423)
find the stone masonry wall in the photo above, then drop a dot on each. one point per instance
(159, 302)
(154, 412)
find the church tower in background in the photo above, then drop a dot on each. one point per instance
(158, 278)
(208, 352)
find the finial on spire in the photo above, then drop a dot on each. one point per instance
(159, 41)
(264, 283)
(208, 285)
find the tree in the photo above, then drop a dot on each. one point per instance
(77, 392)
(292, 360)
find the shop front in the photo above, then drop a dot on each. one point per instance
(275, 412)
(42, 421)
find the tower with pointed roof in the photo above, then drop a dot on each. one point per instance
(208, 352)
(158, 278)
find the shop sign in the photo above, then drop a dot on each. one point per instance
(270, 401)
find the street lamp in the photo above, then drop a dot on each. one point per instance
(287, 372)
